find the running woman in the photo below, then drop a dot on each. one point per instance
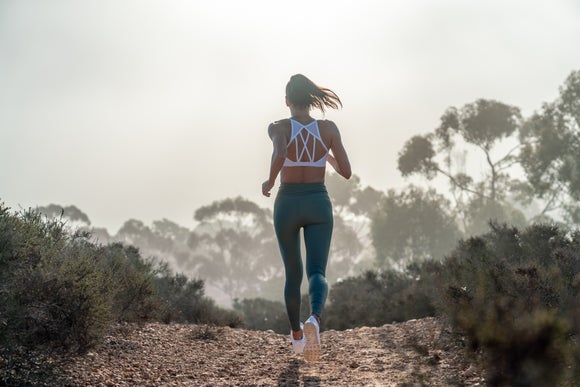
(302, 147)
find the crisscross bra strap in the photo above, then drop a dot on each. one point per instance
(306, 139)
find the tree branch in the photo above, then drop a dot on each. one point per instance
(461, 186)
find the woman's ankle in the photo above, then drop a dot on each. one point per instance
(297, 335)
(317, 317)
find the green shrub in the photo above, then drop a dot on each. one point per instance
(58, 289)
(182, 300)
(374, 298)
(132, 280)
(515, 295)
(52, 290)
(260, 314)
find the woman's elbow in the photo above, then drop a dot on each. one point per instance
(347, 173)
(279, 155)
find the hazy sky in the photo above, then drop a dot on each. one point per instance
(150, 109)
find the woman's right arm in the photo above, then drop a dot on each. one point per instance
(278, 157)
(339, 159)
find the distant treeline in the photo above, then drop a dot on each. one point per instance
(530, 174)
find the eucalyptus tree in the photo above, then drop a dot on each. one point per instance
(74, 218)
(485, 130)
(413, 225)
(235, 248)
(135, 232)
(551, 153)
(353, 208)
(66, 213)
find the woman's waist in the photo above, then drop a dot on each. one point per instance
(302, 187)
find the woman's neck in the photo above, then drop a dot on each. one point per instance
(300, 114)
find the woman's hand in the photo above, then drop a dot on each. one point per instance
(332, 161)
(266, 188)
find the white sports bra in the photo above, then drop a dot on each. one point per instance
(305, 139)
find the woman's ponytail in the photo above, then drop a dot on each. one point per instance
(302, 92)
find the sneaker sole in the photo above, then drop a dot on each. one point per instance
(312, 348)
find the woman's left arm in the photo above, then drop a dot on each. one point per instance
(278, 157)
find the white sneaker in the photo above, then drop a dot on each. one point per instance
(298, 345)
(312, 334)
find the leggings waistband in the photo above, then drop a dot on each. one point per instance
(301, 188)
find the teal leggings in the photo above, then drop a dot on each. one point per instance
(307, 206)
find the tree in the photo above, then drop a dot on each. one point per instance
(70, 213)
(75, 218)
(353, 207)
(348, 196)
(485, 126)
(413, 225)
(165, 239)
(135, 232)
(551, 153)
(175, 239)
(236, 248)
(169, 230)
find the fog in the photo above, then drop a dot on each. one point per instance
(150, 109)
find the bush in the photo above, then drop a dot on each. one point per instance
(260, 314)
(515, 295)
(57, 289)
(182, 300)
(374, 298)
(52, 290)
(132, 280)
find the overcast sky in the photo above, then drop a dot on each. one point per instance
(150, 109)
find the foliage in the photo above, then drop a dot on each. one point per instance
(349, 197)
(515, 295)
(353, 207)
(482, 211)
(164, 239)
(135, 232)
(131, 280)
(60, 290)
(237, 249)
(183, 300)
(418, 156)
(483, 124)
(551, 152)
(234, 249)
(262, 314)
(482, 129)
(71, 213)
(543, 149)
(52, 290)
(377, 298)
(413, 225)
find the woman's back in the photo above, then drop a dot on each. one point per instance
(307, 147)
(308, 143)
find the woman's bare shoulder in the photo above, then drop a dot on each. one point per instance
(278, 126)
(327, 125)
(283, 122)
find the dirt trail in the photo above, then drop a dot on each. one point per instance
(413, 353)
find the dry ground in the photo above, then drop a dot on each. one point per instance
(413, 353)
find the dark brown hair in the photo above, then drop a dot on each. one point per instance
(303, 93)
